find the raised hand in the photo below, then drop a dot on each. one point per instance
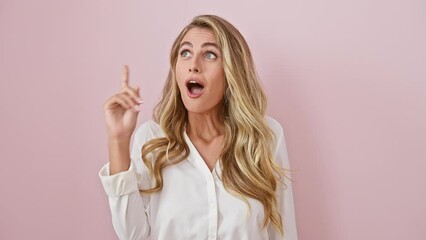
(121, 110)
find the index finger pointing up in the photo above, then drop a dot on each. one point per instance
(125, 76)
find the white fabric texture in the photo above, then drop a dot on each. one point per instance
(193, 203)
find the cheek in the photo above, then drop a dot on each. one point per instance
(180, 74)
(220, 84)
(222, 81)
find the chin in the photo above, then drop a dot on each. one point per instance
(195, 108)
(203, 104)
(200, 108)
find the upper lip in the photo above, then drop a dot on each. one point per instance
(197, 80)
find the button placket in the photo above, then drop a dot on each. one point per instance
(211, 189)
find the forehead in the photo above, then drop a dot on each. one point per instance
(199, 35)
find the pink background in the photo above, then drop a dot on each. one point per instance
(346, 79)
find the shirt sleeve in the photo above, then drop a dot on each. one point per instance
(284, 195)
(129, 208)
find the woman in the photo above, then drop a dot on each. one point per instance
(211, 164)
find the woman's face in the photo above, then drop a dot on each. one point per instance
(199, 71)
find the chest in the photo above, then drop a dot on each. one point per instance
(209, 151)
(194, 204)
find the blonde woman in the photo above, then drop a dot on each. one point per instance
(210, 165)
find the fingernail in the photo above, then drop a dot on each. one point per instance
(136, 107)
(140, 100)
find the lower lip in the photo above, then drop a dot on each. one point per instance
(192, 95)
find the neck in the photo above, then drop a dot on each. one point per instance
(205, 126)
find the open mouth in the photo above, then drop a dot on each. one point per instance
(194, 88)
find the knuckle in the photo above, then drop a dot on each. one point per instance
(123, 89)
(129, 90)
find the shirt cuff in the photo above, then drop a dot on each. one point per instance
(119, 184)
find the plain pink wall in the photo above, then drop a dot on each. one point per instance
(347, 80)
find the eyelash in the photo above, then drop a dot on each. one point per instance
(207, 52)
(181, 52)
(211, 52)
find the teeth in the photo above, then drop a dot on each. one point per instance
(194, 82)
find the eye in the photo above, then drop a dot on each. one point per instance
(211, 55)
(185, 53)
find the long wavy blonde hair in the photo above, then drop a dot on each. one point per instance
(248, 167)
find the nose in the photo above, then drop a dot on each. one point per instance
(194, 69)
(194, 66)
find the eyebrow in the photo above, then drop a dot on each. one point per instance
(203, 45)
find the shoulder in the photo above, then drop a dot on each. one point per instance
(280, 149)
(278, 131)
(275, 126)
(147, 131)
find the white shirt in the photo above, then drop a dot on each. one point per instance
(193, 203)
